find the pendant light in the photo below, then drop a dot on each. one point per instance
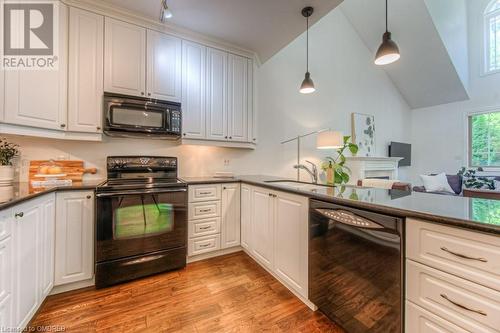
(307, 85)
(388, 52)
(165, 13)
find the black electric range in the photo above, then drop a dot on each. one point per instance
(141, 219)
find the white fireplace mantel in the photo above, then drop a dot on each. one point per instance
(372, 167)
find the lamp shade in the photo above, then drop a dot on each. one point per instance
(307, 85)
(330, 140)
(388, 52)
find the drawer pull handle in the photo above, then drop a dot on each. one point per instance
(205, 193)
(204, 245)
(463, 255)
(463, 306)
(205, 228)
(205, 210)
(21, 214)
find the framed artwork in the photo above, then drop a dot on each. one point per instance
(363, 133)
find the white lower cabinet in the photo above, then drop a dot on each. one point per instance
(274, 230)
(33, 239)
(7, 269)
(451, 279)
(230, 215)
(74, 257)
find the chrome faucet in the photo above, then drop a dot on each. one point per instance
(313, 172)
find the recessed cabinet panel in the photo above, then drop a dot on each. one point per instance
(262, 226)
(238, 127)
(217, 95)
(230, 215)
(74, 237)
(86, 68)
(38, 98)
(124, 58)
(246, 216)
(6, 281)
(193, 90)
(46, 246)
(164, 67)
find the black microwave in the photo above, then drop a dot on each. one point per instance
(130, 116)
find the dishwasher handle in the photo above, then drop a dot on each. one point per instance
(349, 218)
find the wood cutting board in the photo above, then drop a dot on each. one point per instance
(73, 170)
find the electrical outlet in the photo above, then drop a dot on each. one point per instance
(226, 162)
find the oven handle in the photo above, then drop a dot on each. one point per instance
(114, 194)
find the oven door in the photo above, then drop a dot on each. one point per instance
(135, 222)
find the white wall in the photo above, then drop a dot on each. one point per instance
(440, 133)
(347, 81)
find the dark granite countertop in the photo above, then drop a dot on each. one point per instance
(471, 213)
(22, 191)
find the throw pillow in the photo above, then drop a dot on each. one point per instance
(437, 183)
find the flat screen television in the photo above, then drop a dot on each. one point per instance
(398, 149)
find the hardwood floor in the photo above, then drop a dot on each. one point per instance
(225, 294)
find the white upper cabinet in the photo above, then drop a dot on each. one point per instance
(74, 255)
(124, 58)
(86, 47)
(164, 66)
(216, 95)
(238, 125)
(2, 94)
(38, 98)
(193, 90)
(252, 113)
(230, 215)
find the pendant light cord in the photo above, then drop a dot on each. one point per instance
(386, 15)
(307, 43)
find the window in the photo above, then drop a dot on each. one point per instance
(492, 37)
(484, 139)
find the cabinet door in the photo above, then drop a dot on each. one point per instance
(193, 90)
(252, 113)
(124, 58)
(2, 95)
(246, 216)
(38, 98)
(290, 239)
(29, 217)
(6, 282)
(262, 226)
(86, 47)
(230, 215)
(237, 98)
(164, 67)
(74, 237)
(45, 249)
(216, 95)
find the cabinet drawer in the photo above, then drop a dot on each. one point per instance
(203, 245)
(463, 303)
(470, 255)
(5, 223)
(208, 192)
(203, 210)
(419, 320)
(204, 227)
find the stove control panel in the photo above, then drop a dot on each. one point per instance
(147, 163)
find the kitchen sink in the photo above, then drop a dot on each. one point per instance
(299, 185)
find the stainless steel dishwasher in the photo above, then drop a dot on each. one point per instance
(356, 267)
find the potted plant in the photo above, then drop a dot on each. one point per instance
(337, 173)
(8, 151)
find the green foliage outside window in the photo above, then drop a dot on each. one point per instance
(485, 139)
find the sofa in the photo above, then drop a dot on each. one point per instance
(456, 183)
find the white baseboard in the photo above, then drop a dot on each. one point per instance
(72, 286)
(214, 254)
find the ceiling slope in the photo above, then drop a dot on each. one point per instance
(425, 75)
(263, 26)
